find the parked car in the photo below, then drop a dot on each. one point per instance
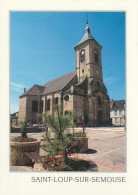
(29, 124)
(35, 125)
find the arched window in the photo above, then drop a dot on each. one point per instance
(48, 104)
(98, 84)
(82, 55)
(34, 106)
(56, 100)
(99, 101)
(41, 106)
(96, 55)
(66, 113)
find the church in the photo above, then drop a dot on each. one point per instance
(81, 91)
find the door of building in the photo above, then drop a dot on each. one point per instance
(99, 118)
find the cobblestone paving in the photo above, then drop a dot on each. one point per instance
(106, 148)
(109, 154)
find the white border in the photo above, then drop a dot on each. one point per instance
(14, 183)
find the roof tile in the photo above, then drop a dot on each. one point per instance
(59, 83)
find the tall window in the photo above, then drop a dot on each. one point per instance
(48, 104)
(122, 120)
(41, 106)
(99, 101)
(96, 55)
(120, 112)
(56, 100)
(116, 120)
(66, 112)
(98, 84)
(34, 106)
(82, 55)
(115, 112)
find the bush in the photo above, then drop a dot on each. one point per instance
(23, 129)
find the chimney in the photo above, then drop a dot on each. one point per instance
(111, 103)
(24, 90)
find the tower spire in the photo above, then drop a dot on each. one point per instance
(87, 29)
(87, 18)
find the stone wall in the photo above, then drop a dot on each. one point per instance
(67, 105)
(78, 107)
(52, 101)
(32, 116)
(18, 149)
(79, 145)
(82, 106)
(22, 109)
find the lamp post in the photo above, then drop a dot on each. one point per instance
(83, 123)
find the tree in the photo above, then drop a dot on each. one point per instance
(23, 129)
(58, 124)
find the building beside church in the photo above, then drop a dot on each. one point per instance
(82, 91)
(14, 119)
(117, 112)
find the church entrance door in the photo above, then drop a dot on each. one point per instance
(99, 118)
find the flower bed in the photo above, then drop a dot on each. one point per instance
(57, 163)
(23, 139)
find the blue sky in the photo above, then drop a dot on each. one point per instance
(42, 48)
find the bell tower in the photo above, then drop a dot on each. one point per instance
(90, 89)
(88, 57)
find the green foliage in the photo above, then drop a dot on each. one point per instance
(23, 129)
(78, 134)
(58, 124)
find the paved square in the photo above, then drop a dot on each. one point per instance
(106, 147)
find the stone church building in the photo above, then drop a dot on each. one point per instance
(82, 91)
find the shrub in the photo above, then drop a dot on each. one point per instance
(23, 129)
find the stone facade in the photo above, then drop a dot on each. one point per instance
(18, 149)
(82, 91)
(79, 145)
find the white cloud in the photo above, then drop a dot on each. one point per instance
(110, 80)
(17, 87)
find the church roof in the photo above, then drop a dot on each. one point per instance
(59, 83)
(34, 90)
(51, 86)
(87, 36)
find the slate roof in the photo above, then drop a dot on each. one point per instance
(118, 104)
(87, 36)
(51, 86)
(35, 90)
(59, 83)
